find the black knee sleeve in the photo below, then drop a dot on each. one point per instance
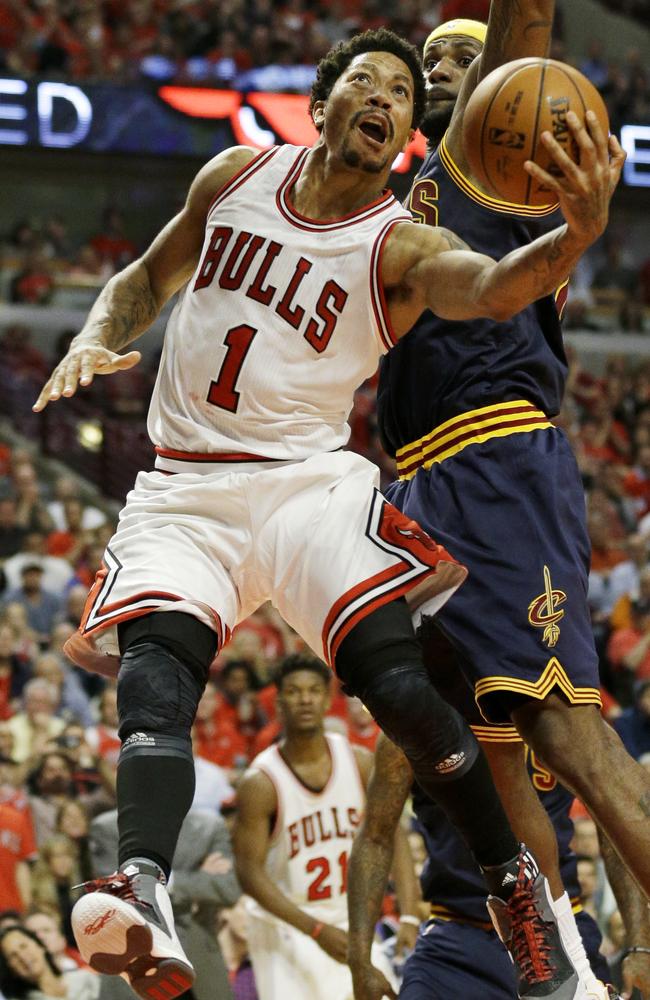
(164, 668)
(380, 661)
(434, 737)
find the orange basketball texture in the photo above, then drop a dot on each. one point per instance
(508, 112)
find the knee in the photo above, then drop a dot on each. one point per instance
(413, 715)
(160, 681)
(567, 738)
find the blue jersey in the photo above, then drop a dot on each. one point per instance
(441, 369)
(452, 881)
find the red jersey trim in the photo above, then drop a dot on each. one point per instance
(212, 456)
(377, 295)
(241, 176)
(289, 213)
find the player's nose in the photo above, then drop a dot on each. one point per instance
(441, 72)
(379, 99)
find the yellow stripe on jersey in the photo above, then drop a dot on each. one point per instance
(469, 188)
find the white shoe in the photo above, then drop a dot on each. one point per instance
(124, 926)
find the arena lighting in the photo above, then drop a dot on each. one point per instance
(635, 140)
(47, 94)
(90, 435)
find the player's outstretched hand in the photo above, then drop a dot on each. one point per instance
(334, 941)
(584, 189)
(636, 975)
(79, 367)
(371, 984)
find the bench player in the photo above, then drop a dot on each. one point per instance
(298, 808)
(298, 270)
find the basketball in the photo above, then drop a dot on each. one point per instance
(506, 116)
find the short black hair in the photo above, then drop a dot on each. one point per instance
(231, 665)
(301, 661)
(339, 58)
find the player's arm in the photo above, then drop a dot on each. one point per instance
(635, 911)
(407, 887)
(132, 299)
(370, 863)
(516, 28)
(256, 809)
(425, 267)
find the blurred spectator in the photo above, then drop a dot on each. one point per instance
(201, 883)
(57, 573)
(73, 702)
(12, 534)
(33, 284)
(31, 512)
(588, 881)
(212, 787)
(633, 724)
(20, 356)
(29, 972)
(41, 606)
(14, 673)
(66, 488)
(102, 738)
(50, 786)
(36, 724)
(233, 940)
(54, 874)
(216, 737)
(46, 924)
(17, 842)
(112, 244)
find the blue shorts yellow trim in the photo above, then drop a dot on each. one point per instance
(517, 416)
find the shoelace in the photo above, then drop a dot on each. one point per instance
(119, 884)
(530, 948)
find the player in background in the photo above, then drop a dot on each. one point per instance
(457, 953)
(298, 808)
(298, 270)
(466, 409)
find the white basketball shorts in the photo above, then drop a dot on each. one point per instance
(314, 537)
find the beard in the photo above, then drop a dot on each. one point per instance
(436, 120)
(352, 158)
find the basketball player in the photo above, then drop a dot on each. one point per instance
(466, 408)
(298, 808)
(457, 953)
(298, 270)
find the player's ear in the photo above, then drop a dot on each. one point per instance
(318, 114)
(409, 139)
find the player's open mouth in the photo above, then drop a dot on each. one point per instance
(375, 129)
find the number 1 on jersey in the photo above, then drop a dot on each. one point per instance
(223, 392)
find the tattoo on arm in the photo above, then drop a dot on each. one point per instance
(450, 241)
(132, 308)
(644, 804)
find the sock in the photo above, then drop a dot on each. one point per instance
(572, 941)
(154, 794)
(473, 806)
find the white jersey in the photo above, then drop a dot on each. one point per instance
(282, 320)
(313, 832)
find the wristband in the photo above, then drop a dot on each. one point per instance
(317, 930)
(408, 918)
(635, 950)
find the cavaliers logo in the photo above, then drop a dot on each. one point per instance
(544, 611)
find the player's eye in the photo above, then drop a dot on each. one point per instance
(401, 89)
(430, 64)
(361, 76)
(466, 61)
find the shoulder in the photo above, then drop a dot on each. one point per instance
(257, 789)
(215, 174)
